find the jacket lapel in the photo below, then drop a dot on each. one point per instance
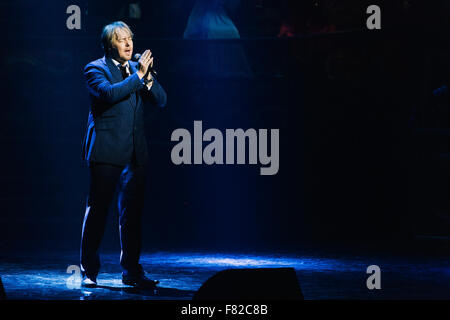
(134, 70)
(115, 72)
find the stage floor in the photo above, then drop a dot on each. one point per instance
(321, 276)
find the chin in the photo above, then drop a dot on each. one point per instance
(127, 56)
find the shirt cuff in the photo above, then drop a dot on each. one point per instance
(145, 83)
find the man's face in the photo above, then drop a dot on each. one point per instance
(122, 46)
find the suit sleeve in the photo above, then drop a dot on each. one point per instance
(101, 88)
(156, 95)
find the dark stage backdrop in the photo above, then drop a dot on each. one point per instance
(346, 104)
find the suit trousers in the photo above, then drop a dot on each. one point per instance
(104, 180)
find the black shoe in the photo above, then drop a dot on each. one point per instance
(88, 282)
(139, 281)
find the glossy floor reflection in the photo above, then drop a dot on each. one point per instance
(321, 276)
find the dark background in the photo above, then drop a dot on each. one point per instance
(363, 142)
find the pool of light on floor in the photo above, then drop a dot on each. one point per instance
(182, 273)
(202, 260)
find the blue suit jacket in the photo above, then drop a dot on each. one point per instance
(115, 126)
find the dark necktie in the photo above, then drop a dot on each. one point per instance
(123, 69)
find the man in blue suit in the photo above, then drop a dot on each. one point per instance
(115, 149)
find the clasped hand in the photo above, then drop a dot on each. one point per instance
(145, 62)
